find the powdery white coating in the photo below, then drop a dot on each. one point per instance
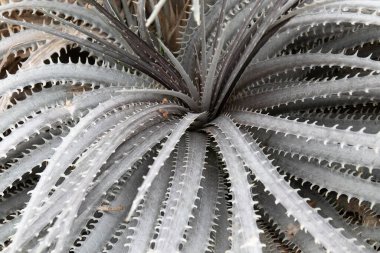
(260, 134)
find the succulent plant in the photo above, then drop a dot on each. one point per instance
(260, 134)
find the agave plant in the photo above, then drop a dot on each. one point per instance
(260, 134)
